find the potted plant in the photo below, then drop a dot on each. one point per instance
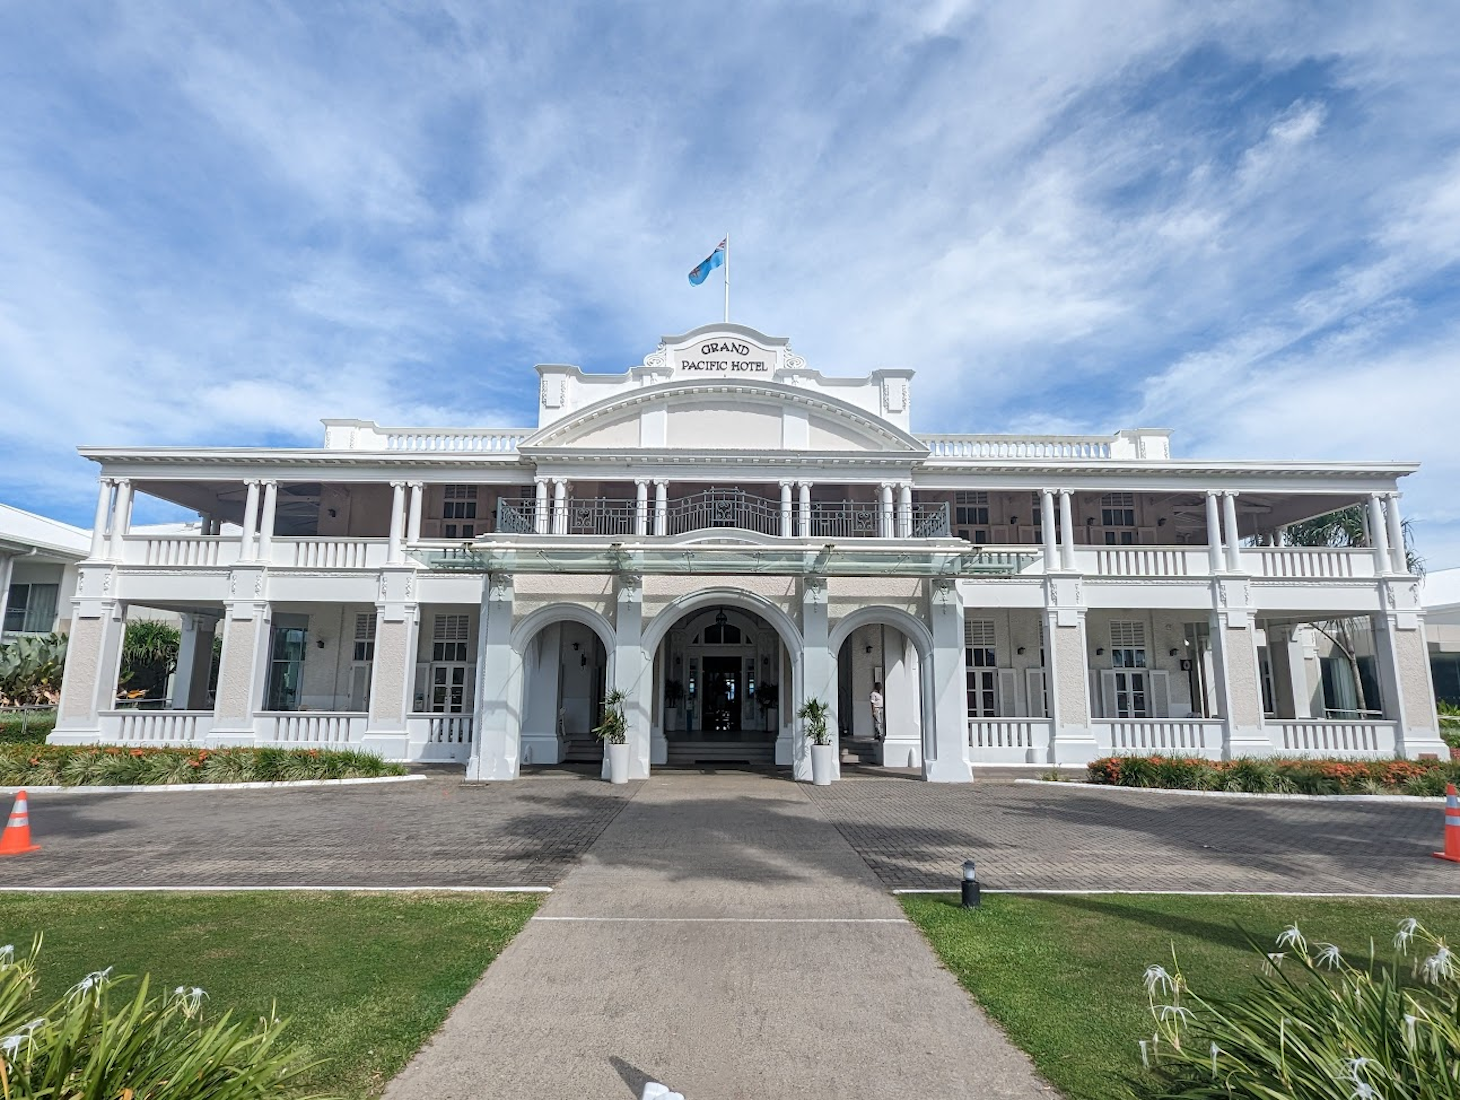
(814, 713)
(613, 731)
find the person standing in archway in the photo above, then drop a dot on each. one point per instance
(879, 720)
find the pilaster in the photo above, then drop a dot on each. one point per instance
(1238, 678)
(633, 672)
(495, 752)
(244, 664)
(1404, 673)
(392, 671)
(818, 678)
(945, 744)
(93, 657)
(1067, 670)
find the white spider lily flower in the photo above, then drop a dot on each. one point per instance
(96, 980)
(1175, 1012)
(1409, 1022)
(1439, 965)
(1145, 1057)
(7, 955)
(24, 1037)
(1274, 960)
(1157, 977)
(191, 999)
(1365, 1091)
(1402, 938)
(1292, 937)
(1352, 1066)
(1215, 1051)
(1328, 955)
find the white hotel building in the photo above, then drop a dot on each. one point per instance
(723, 532)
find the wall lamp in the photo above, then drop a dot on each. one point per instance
(1099, 651)
(1174, 652)
(869, 649)
(319, 642)
(1020, 651)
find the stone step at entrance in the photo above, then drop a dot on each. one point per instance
(755, 753)
(860, 752)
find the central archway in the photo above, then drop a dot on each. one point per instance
(727, 668)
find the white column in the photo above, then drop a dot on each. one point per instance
(541, 522)
(121, 517)
(103, 511)
(803, 521)
(1405, 681)
(1046, 520)
(560, 506)
(633, 673)
(884, 511)
(1214, 532)
(242, 670)
(641, 506)
(1379, 534)
(661, 505)
(1067, 532)
(392, 677)
(1396, 534)
(788, 522)
(93, 662)
(1238, 682)
(945, 744)
(187, 649)
(496, 722)
(266, 519)
(250, 521)
(397, 522)
(1234, 536)
(1067, 684)
(904, 511)
(413, 521)
(818, 675)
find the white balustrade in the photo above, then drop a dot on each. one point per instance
(1010, 446)
(179, 551)
(438, 737)
(330, 553)
(1127, 735)
(471, 440)
(1008, 740)
(156, 727)
(1308, 561)
(1369, 738)
(1148, 561)
(310, 728)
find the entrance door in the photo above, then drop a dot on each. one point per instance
(722, 693)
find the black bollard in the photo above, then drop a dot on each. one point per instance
(971, 889)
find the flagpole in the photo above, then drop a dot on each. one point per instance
(727, 277)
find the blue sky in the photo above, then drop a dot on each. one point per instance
(1239, 220)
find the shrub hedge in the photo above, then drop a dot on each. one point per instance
(1273, 775)
(115, 765)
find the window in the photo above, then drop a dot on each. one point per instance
(722, 634)
(31, 609)
(449, 637)
(459, 502)
(980, 669)
(1128, 644)
(365, 637)
(971, 509)
(286, 668)
(1118, 510)
(1128, 655)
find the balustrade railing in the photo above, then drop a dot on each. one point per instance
(723, 508)
(472, 440)
(1149, 561)
(1009, 740)
(1304, 735)
(330, 553)
(602, 516)
(931, 521)
(1158, 734)
(309, 727)
(1308, 561)
(180, 551)
(844, 519)
(156, 727)
(996, 446)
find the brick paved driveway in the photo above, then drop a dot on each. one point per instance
(912, 834)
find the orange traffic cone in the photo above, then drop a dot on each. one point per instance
(1452, 827)
(16, 838)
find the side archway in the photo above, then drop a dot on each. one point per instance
(910, 694)
(562, 664)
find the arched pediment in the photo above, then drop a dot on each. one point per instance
(720, 415)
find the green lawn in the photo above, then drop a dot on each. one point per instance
(1062, 973)
(364, 978)
(30, 727)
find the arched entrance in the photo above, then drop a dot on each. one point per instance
(566, 664)
(888, 651)
(727, 667)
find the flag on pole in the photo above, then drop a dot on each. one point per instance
(708, 264)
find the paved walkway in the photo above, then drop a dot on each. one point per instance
(720, 937)
(912, 834)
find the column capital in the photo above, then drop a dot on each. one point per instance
(246, 481)
(641, 481)
(804, 484)
(397, 484)
(661, 481)
(416, 484)
(267, 481)
(540, 479)
(559, 481)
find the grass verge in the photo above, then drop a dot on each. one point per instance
(1062, 973)
(363, 978)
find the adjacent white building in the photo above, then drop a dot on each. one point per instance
(38, 559)
(723, 532)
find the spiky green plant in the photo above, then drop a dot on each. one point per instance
(815, 712)
(1314, 1026)
(96, 1044)
(614, 728)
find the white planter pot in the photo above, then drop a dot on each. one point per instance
(618, 763)
(822, 763)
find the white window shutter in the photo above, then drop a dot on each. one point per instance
(1160, 698)
(1008, 701)
(1034, 689)
(1107, 693)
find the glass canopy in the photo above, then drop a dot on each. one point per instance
(829, 560)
